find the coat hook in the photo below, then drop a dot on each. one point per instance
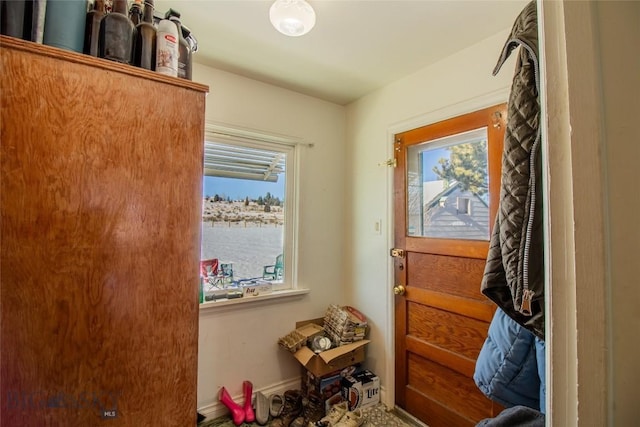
(497, 119)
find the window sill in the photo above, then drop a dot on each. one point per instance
(275, 295)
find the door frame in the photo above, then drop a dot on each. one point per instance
(576, 264)
(469, 106)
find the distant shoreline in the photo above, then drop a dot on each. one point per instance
(241, 214)
(241, 223)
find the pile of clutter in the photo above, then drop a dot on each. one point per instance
(292, 409)
(340, 326)
(335, 388)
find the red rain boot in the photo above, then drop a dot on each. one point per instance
(247, 390)
(237, 413)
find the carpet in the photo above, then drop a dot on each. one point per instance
(378, 416)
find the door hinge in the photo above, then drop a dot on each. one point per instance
(397, 253)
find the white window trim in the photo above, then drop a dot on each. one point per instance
(227, 133)
(276, 296)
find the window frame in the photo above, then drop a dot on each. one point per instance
(231, 135)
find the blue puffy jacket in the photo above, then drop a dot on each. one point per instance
(511, 365)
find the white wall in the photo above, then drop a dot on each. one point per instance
(239, 342)
(459, 84)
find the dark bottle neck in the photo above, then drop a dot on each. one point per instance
(148, 11)
(119, 6)
(98, 6)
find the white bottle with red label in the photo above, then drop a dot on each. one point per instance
(167, 48)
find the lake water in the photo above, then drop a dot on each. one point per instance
(249, 249)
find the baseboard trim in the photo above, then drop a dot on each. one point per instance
(216, 409)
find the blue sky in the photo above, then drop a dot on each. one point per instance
(238, 189)
(429, 160)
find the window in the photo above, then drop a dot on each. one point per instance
(248, 215)
(463, 206)
(448, 188)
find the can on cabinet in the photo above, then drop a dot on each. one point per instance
(167, 52)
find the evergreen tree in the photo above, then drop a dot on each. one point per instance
(466, 165)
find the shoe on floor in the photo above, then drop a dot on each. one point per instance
(351, 419)
(276, 403)
(290, 410)
(312, 411)
(334, 415)
(262, 408)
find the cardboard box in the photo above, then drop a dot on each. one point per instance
(361, 390)
(328, 388)
(331, 360)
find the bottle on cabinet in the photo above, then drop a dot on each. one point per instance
(15, 19)
(135, 12)
(116, 34)
(191, 40)
(144, 45)
(106, 30)
(64, 24)
(92, 28)
(184, 50)
(167, 48)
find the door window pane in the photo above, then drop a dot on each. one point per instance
(448, 187)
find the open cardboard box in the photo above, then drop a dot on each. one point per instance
(330, 360)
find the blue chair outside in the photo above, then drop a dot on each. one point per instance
(275, 271)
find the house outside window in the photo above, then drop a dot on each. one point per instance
(448, 187)
(249, 208)
(463, 205)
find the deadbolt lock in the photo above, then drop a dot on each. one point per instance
(397, 253)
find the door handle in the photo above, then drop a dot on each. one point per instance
(399, 290)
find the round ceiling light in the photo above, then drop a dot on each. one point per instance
(292, 17)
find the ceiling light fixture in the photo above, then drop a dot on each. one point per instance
(292, 17)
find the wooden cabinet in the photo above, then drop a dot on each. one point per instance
(101, 195)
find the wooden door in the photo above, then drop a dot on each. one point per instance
(101, 183)
(446, 189)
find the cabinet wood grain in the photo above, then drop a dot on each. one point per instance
(101, 193)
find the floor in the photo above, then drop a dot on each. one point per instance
(380, 416)
(376, 416)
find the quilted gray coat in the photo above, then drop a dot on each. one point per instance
(514, 272)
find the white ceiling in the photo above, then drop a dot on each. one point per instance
(356, 46)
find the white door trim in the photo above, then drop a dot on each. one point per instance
(574, 193)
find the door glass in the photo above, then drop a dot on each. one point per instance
(448, 187)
